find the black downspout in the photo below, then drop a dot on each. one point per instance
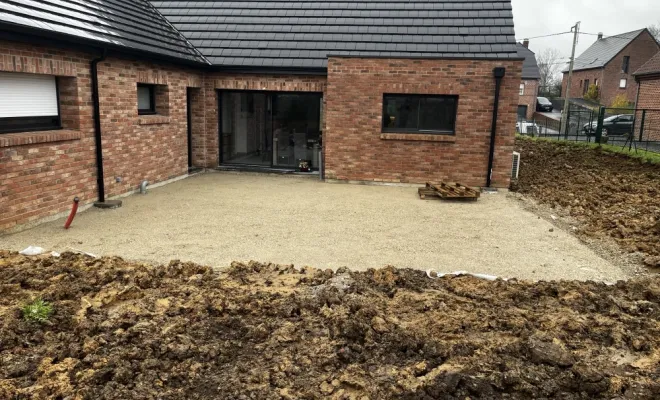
(97, 126)
(498, 73)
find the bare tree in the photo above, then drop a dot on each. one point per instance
(550, 68)
(655, 30)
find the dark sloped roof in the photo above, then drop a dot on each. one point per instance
(302, 33)
(530, 67)
(604, 50)
(128, 24)
(652, 67)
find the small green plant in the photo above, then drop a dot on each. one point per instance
(37, 311)
(593, 93)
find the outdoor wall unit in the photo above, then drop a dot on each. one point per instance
(516, 165)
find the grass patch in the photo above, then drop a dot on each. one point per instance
(642, 155)
(37, 311)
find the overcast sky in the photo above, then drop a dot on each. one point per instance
(536, 18)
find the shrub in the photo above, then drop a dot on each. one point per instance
(621, 102)
(593, 93)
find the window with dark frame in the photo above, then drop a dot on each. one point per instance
(33, 103)
(146, 99)
(626, 64)
(413, 113)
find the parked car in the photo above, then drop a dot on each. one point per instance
(616, 125)
(526, 127)
(544, 105)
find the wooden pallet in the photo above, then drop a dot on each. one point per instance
(448, 191)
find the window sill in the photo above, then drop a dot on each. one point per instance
(419, 137)
(153, 120)
(28, 138)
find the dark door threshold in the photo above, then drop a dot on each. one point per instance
(264, 170)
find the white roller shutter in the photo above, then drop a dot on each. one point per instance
(27, 95)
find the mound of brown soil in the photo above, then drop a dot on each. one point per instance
(610, 194)
(132, 331)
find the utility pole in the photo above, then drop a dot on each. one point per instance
(567, 95)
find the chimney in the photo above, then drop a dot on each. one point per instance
(525, 43)
(600, 35)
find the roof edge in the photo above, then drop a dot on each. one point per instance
(315, 71)
(21, 33)
(647, 75)
(426, 58)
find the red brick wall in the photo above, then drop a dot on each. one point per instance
(355, 148)
(577, 82)
(649, 99)
(41, 172)
(529, 97)
(639, 50)
(42, 178)
(258, 82)
(148, 147)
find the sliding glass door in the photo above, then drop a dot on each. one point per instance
(245, 128)
(281, 130)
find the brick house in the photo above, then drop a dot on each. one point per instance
(529, 86)
(648, 98)
(609, 64)
(97, 98)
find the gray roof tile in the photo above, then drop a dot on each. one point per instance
(313, 29)
(530, 67)
(652, 67)
(130, 24)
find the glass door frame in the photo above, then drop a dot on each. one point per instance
(269, 115)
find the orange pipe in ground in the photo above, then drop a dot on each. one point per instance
(74, 210)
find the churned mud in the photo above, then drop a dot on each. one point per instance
(611, 195)
(122, 330)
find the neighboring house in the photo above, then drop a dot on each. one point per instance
(529, 86)
(648, 99)
(402, 94)
(609, 64)
(648, 78)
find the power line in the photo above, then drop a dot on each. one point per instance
(544, 36)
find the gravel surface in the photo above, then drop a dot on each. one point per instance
(218, 218)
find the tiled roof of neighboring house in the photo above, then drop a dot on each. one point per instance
(121, 24)
(604, 50)
(530, 67)
(652, 67)
(302, 33)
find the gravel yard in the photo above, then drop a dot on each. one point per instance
(217, 218)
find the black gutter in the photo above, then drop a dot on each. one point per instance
(498, 73)
(97, 125)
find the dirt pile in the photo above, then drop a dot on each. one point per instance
(132, 331)
(610, 194)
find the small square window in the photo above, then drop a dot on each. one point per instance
(522, 89)
(623, 83)
(146, 99)
(419, 113)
